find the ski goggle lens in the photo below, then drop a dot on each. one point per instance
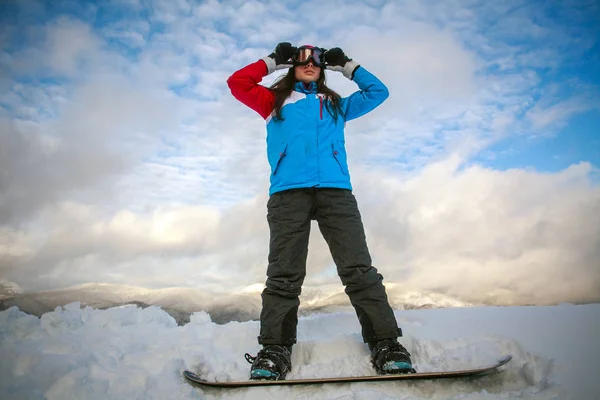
(304, 54)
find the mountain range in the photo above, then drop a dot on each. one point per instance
(180, 303)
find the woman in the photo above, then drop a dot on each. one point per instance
(310, 180)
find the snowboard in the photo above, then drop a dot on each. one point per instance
(197, 380)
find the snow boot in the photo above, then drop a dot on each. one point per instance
(390, 357)
(273, 362)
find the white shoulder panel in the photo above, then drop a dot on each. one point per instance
(292, 98)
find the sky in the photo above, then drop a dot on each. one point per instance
(124, 158)
(127, 352)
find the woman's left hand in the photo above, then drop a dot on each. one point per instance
(337, 60)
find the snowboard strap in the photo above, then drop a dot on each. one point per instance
(249, 358)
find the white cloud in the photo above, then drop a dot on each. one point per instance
(544, 115)
(209, 10)
(168, 11)
(467, 232)
(131, 33)
(69, 43)
(475, 233)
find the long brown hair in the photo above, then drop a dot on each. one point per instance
(283, 87)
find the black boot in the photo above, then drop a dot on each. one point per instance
(273, 362)
(390, 357)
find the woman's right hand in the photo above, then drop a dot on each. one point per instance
(283, 53)
(281, 57)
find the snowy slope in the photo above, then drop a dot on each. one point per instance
(128, 352)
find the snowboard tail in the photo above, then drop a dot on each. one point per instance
(197, 380)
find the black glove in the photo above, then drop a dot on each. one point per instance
(337, 60)
(283, 53)
(281, 57)
(336, 57)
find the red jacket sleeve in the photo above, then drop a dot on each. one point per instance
(244, 85)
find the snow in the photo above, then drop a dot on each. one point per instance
(133, 353)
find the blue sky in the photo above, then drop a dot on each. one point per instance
(577, 141)
(116, 123)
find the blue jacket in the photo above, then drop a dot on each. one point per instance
(306, 148)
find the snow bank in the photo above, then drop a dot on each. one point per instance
(129, 352)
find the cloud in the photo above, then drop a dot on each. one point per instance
(544, 115)
(478, 235)
(473, 231)
(70, 42)
(104, 129)
(130, 33)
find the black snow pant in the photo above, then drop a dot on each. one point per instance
(289, 214)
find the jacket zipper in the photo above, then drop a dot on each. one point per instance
(321, 116)
(321, 106)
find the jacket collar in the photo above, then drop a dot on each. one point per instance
(303, 88)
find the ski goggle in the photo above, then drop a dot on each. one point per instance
(304, 54)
